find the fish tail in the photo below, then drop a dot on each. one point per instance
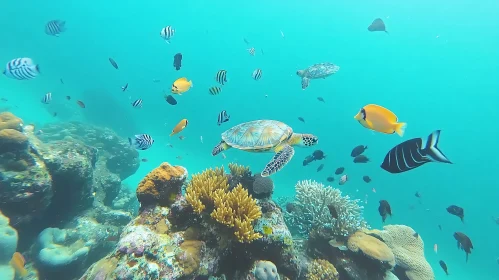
(400, 128)
(190, 82)
(432, 149)
(37, 67)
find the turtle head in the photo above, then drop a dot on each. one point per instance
(300, 73)
(304, 140)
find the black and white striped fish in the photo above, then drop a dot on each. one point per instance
(251, 51)
(47, 98)
(141, 141)
(137, 103)
(413, 153)
(167, 33)
(215, 90)
(257, 74)
(223, 117)
(221, 77)
(55, 27)
(21, 69)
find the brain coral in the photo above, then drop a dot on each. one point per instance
(265, 270)
(408, 250)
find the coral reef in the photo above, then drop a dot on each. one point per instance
(9, 121)
(371, 247)
(263, 187)
(311, 210)
(321, 270)
(55, 251)
(162, 185)
(8, 245)
(408, 250)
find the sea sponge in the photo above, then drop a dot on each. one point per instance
(371, 247)
(161, 185)
(263, 186)
(54, 254)
(9, 121)
(12, 140)
(265, 270)
(321, 270)
(200, 190)
(238, 170)
(408, 250)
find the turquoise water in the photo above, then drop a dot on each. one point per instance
(437, 69)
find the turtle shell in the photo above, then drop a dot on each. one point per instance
(261, 135)
(321, 70)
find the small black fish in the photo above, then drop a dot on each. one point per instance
(367, 179)
(332, 211)
(318, 155)
(384, 209)
(125, 87)
(321, 99)
(456, 211)
(68, 97)
(330, 179)
(339, 170)
(464, 243)
(320, 167)
(301, 119)
(246, 41)
(361, 159)
(377, 25)
(440, 227)
(357, 151)
(417, 194)
(62, 82)
(54, 114)
(443, 266)
(308, 160)
(113, 63)
(290, 207)
(177, 61)
(170, 99)
(416, 235)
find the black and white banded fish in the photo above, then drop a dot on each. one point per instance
(167, 33)
(215, 90)
(21, 69)
(251, 51)
(55, 27)
(141, 141)
(221, 77)
(47, 98)
(257, 74)
(137, 103)
(413, 153)
(223, 117)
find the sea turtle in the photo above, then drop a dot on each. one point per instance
(316, 71)
(262, 136)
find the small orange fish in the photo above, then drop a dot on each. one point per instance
(18, 263)
(81, 104)
(435, 248)
(179, 127)
(380, 119)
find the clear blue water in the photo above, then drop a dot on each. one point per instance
(437, 69)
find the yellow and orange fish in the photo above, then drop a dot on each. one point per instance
(181, 85)
(380, 119)
(17, 263)
(179, 127)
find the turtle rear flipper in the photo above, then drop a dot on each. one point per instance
(220, 147)
(279, 160)
(304, 82)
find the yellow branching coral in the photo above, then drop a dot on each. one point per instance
(321, 270)
(238, 170)
(200, 190)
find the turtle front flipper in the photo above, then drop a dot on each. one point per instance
(304, 82)
(220, 147)
(283, 156)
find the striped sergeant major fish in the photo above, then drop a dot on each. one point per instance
(141, 141)
(167, 33)
(257, 74)
(47, 98)
(413, 153)
(55, 27)
(21, 69)
(223, 117)
(221, 77)
(137, 103)
(215, 90)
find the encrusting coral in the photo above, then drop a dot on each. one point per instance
(321, 270)
(371, 247)
(234, 209)
(408, 249)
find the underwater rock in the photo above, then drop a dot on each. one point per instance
(106, 184)
(12, 140)
(126, 200)
(9, 121)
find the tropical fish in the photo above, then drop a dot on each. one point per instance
(167, 33)
(413, 153)
(377, 25)
(321, 99)
(68, 97)
(361, 159)
(181, 85)
(215, 90)
(62, 81)
(222, 117)
(141, 141)
(320, 167)
(301, 119)
(257, 74)
(18, 262)
(384, 209)
(125, 87)
(113, 63)
(380, 119)
(177, 61)
(251, 51)
(339, 170)
(55, 27)
(179, 127)
(332, 211)
(221, 77)
(170, 99)
(80, 103)
(137, 103)
(358, 150)
(308, 160)
(47, 98)
(21, 69)
(443, 265)
(367, 179)
(464, 243)
(330, 179)
(343, 179)
(456, 211)
(318, 155)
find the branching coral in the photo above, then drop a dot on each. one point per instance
(311, 210)
(234, 209)
(321, 270)
(238, 170)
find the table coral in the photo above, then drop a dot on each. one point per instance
(161, 185)
(321, 270)
(371, 247)
(408, 250)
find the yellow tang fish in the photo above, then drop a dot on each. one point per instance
(181, 85)
(380, 119)
(179, 127)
